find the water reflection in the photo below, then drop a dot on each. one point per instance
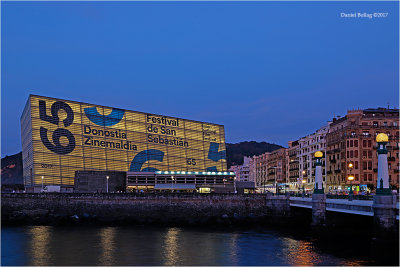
(73, 246)
(107, 241)
(300, 253)
(303, 253)
(171, 246)
(233, 248)
(39, 245)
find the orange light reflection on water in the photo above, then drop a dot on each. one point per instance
(107, 241)
(302, 253)
(171, 247)
(40, 244)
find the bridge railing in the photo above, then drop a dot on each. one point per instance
(355, 197)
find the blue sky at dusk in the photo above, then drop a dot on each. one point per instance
(268, 71)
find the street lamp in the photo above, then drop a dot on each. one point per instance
(42, 183)
(351, 178)
(303, 182)
(108, 177)
(263, 182)
(276, 185)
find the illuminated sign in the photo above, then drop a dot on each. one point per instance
(70, 136)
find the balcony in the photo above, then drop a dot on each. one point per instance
(373, 126)
(384, 126)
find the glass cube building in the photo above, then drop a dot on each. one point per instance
(60, 137)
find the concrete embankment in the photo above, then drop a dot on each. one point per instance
(173, 209)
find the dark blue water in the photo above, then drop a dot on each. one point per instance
(47, 245)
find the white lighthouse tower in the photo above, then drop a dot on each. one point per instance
(383, 186)
(318, 186)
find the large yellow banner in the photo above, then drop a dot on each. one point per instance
(68, 136)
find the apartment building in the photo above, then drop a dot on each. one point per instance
(307, 146)
(235, 169)
(351, 139)
(260, 163)
(252, 170)
(276, 167)
(293, 165)
(242, 171)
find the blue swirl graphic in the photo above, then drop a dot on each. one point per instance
(113, 118)
(215, 155)
(212, 169)
(144, 156)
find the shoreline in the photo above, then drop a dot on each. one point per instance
(228, 213)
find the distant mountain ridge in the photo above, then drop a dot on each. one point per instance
(11, 170)
(11, 166)
(236, 152)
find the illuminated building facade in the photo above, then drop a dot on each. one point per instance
(351, 139)
(276, 167)
(177, 181)
(60, 137)
(292, 165)
(242, 171)
(261, 169)
(308, 145)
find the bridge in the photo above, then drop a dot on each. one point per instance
(357, 207)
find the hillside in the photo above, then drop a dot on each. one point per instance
(236, 152)
(11, 170)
